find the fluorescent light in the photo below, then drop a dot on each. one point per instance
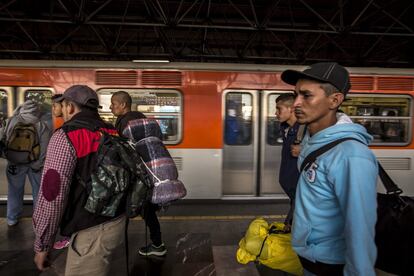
(151, 60)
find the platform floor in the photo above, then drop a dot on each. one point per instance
(202, 239)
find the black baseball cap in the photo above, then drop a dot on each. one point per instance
(57, 98)
(82, 95)
(326, 72)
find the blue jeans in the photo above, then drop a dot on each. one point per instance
(16, 176)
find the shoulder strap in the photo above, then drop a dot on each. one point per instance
(315, 154)
(386, 180)
(388, 183)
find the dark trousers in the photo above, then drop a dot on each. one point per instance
(322, 269)
(290, 192)
(151, 221)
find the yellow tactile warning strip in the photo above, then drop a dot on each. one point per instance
(180, 218)
(244, 217)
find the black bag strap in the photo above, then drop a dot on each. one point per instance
(272, 230)
(388, 183)
(126, 244)
(386, 180)
(315, 154)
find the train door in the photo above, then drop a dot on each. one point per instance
(10, 98)
(6, 110)
(240, 150)
(270, 146)
(252, 144)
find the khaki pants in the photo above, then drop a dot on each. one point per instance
(92, 251)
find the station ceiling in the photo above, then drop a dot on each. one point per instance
(376, 33)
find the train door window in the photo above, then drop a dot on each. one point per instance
(238, 119)
(273, 135)
(163, 105)
(387, 118)
(6, 104)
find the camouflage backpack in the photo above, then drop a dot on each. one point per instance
(22, 147)
(116, 178)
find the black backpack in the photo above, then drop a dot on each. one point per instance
(118, 176)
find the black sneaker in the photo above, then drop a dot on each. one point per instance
(153, 250)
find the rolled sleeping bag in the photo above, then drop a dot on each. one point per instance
(161, 170)
(167, 191)
(157, 158)
(139, 129)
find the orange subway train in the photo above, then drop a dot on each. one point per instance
(218, 120)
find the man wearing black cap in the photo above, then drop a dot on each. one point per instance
(335, 212)
(71, 155)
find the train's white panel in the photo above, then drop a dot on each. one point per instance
(200, 171)
(398, 164)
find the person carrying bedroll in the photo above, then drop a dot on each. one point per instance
(25, 140)
(334, 220)
(121, 103)
(76, 193)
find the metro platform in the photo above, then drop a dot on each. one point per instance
(201, 237)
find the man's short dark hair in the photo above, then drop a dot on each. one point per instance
(288, 98)
(123, 97)
(328, 88)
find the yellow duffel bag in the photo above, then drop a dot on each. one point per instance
(269, 245)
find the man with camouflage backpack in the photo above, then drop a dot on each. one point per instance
(25, 138)
(85, 189)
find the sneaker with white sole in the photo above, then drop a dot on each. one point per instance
(12, 223)
(153, 250)
(62, 243)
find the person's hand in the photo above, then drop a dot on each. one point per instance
(287, 228)
(41, 260)
(295, 150)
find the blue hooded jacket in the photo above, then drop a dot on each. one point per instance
(335, 210)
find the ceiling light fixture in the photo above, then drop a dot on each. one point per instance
(151, 60)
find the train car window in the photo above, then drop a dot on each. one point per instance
(238, 119)
(386, 118)
(163, 105)
(273, 134)
(43, 97)
(40, 96)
